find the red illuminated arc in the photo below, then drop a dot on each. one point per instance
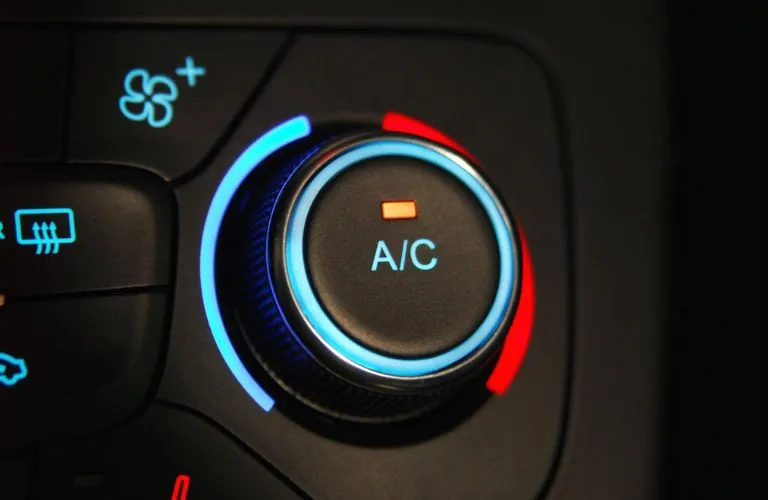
(519, 334)
(181, 487)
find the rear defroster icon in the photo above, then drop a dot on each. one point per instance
(45, 228)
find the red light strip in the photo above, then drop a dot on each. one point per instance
(181, 487)
(398, 122)
(519, 335)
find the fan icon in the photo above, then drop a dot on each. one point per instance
(148, 98)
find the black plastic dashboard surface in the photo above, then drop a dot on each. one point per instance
(611, 147)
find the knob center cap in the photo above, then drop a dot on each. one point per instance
(412, 284)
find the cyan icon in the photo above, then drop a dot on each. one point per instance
(148, 98)
(38, 227)
(410, 253)
(12, 370)
(2, 235)
(191, 71)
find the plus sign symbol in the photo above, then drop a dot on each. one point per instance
(191, 71)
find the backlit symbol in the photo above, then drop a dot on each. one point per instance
(149, 98)
(191, 71)
(410, 253)
(2, 235)
(45, 228)
(12, 370)
(181, 487)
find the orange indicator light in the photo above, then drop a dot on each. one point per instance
(398, 210)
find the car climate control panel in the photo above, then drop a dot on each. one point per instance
(242, 262)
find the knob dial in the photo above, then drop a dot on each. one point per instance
(369, 274)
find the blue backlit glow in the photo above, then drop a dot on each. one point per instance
(12, 370)
(148, 98)
(416, 261)
(38, 227)
(322, 325)
(191, 71)
(383, 255)
(249, 160)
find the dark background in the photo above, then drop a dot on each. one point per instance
(717, 439)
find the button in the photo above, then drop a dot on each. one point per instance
(162, 99)
(407, 287)
(72, 366)
(83, 228)
(166, 454)
(33, 84)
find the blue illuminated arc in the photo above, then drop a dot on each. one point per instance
(325, 328)
(283, 134)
